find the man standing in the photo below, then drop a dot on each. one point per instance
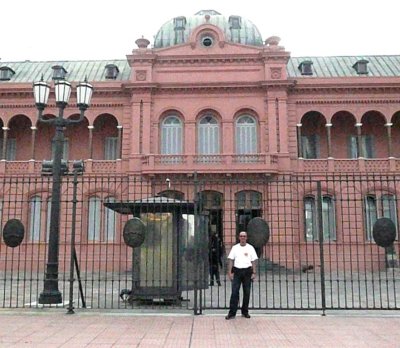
(242, 270)
(215, 258)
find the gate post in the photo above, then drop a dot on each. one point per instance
(321, 246)
(196, 259)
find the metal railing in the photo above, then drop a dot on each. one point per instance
(320, 254)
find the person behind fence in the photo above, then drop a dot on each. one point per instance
(215, 258)
(241, 271)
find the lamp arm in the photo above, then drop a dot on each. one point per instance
(44, 120)
(81, 116)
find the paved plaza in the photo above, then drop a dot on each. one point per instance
(55, 328)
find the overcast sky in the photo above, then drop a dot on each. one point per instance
(88, 29)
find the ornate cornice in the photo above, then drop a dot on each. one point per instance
(346, 101)
(324, 88)
(208, 60)
(51, 105)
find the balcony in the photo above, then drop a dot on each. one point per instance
(227, 163)
(360, 165)
(34, 167)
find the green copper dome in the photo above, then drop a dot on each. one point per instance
(236, 29)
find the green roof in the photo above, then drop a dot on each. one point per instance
(342, 66)
(247, 35)
(94, 70)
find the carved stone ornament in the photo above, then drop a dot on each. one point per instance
(141, 75)
(257, 232)
(384, 232)
(13, 233)
(134, 232)
(276, 73)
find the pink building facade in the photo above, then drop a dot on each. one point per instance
(211, 98)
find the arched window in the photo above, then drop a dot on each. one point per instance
(311, 219)
(208, 136)
(171, 136)
(246, 136)
(172, 194)
(94, 219)
(34, 218)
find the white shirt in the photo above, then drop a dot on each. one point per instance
(242, 256)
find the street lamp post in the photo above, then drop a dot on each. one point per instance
(41, 90)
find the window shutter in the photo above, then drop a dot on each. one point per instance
(94, 219)
(35, 218)
(110, 148)
(11, 149)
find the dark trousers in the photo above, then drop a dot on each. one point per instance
(241, 276)
(214, 271)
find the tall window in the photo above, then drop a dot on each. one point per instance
(367, 146)
(179, 29)
(94, 219)
(109, 222)
(235, 26)
(310, 146)
(208, 136)
(246, 135)
(310, 225)
(101, 220)
(171, 138)
(34, 218)
(376, 207)
(371, 214)
(11, 149)
(110, 148)
(389, 210)
(311, 219)
(248, 206)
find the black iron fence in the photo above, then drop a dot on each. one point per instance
(321, 253)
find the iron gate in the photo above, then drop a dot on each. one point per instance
(321, 254)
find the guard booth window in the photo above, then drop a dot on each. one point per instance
(248, 206)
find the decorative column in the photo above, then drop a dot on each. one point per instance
(272, 124)
(228, 141)
(33, 142)
(190, 142)
(5, 135)
(299, 143)
(328, 139)
(119, 142)
(281, 114)
(90, 141)
(389, 138)
(359, 147)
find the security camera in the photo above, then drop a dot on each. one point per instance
(167, 180)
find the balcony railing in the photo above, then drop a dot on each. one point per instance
(210, 163)
(231, 163)
(359, 165)
(35, 167)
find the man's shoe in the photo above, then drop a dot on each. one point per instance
(219, 283)
(247, 315)
(228, 317)
(212, 283)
